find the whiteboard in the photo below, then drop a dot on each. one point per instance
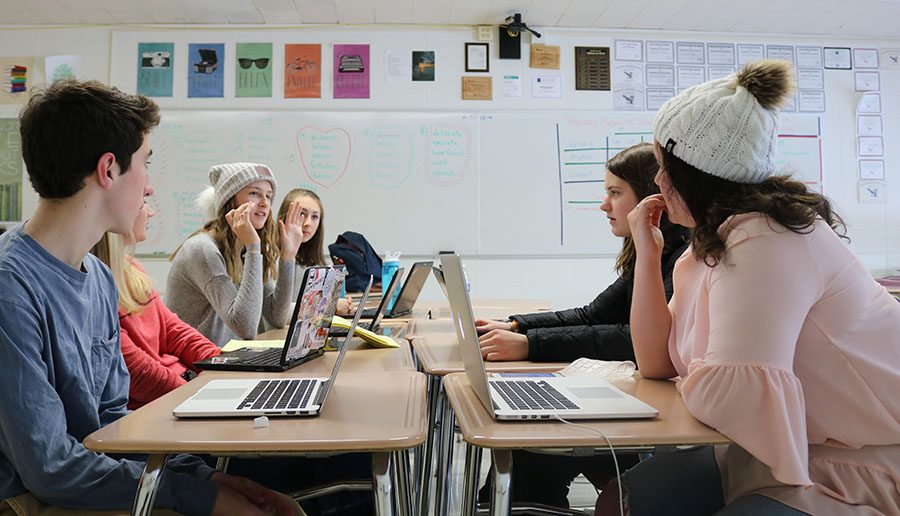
(541, 176)
(407, 181)
(493, 184)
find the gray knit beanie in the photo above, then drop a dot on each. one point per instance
(729, 127)
(227, 180)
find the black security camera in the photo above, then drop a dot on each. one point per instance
(515, 25)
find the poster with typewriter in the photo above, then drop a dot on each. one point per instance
(206, 78)
(351, 71)
(154, 77)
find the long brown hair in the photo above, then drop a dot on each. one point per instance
(220, 231)
(711, 200)
(310, 253)
(637, 166)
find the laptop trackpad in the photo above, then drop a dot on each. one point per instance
(594, 392)
(218, 394)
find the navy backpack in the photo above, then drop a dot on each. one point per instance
(357, 254)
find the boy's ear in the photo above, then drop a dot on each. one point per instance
(105, 171)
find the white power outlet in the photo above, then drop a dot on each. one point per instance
(484, 32)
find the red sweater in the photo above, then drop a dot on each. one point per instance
(158, 347)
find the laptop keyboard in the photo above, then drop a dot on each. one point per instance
(268, 357)
(532, 395)
(278, 394)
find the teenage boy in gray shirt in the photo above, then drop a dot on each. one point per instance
(86, 148)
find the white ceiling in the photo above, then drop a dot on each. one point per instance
(862, 18)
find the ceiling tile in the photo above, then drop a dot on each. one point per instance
(656, 13)
(545, 14)
(431, 12)
(394, 11)
(692, 14)
(317, 11)
(619, 14)
(355, 11)
(469, 12)
(583, 13)
(729, 14)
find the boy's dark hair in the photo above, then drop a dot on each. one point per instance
(66, 127)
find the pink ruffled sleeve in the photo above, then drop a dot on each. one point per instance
(743, 384)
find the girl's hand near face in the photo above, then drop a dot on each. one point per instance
(239, 221)
(291, 229)
(345, 307)
(643, 221)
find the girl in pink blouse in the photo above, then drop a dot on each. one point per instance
(158, 347)
(777, 334)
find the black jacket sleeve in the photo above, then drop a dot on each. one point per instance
(599, 330)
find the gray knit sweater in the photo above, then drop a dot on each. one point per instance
(202, 294)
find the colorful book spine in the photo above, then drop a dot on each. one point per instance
(15, 79)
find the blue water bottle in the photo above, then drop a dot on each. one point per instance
(389, 267)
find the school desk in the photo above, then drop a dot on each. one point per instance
(383, 413)
(437, 352)
(674, 426)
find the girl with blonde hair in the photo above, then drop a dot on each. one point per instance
(158, 347)
(237, 273)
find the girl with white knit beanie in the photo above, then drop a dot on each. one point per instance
(778, 336)
(237, 273)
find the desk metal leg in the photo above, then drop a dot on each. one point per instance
(381, 477)
(145, 498)
(502, 472)
(470, 486)
(222, 464)
(444, 473)
(400, 460)
(425, 468)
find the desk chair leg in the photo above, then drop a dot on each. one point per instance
(145, 498)
(470, 486)
(425, 467)
(443, 481)
(502, 472)
(381, 478)
(222, 464)
(400, 461)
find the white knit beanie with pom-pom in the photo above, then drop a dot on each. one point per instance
(227, 180)
(729, 127)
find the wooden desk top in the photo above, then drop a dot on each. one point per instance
(674, 425)
(438, 351)
(361, 357)
(363, 412)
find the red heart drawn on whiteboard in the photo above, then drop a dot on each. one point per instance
(324, 154)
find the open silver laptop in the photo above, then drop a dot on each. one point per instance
(530, 398)
(267, 397)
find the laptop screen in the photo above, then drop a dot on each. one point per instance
(323, 394)
(313, 312)
(464, 322)
(409, 293)
(385, 299)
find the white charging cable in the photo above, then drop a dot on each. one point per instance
(611, 451)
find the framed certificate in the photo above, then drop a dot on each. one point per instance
(477, 57)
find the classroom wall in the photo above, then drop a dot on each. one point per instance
(564, 280)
